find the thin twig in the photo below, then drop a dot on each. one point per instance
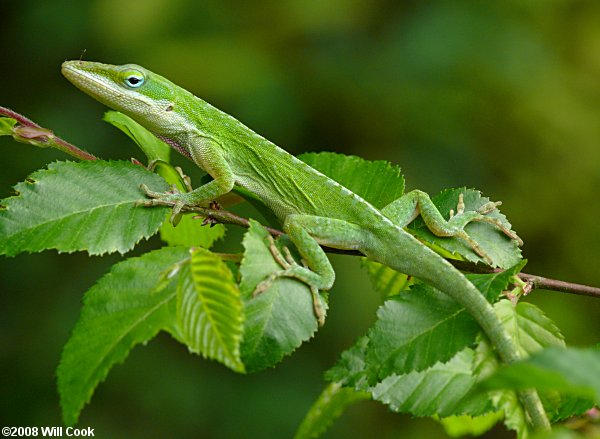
(27, 131)
(536, 282)
(30, 132)
(18, 117)
(560, 285)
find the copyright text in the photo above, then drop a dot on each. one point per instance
(47, 432)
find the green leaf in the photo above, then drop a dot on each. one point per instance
(443, 390)
(386, 281)
(379, 182)
(463, 425)
(209, 310)
(418, 328)
(189, 232)
(327, 408)
(279, 319)
(570, 371)
(127, 306)
(169, 173)
(154, 148)
(506, 402)
(492, 286)
(503, 251)
(80, 206)
(351, 369)
(532, 331)
(529, 326)
(6, 126)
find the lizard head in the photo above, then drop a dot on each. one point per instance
(131, 89)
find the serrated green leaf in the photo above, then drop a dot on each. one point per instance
(507, 402)
(418, 328)
(327, 408)
(502, 250)
(571, 371)
(6, 126)
(531, 330)
(127, 306)
(154, 148)
(493, 286)
(443, 390)
(535, 331)
(463, 425)
(529, 326)
(377, 181)
(279, 319)
(209, 310)
(80, 206)
(191, 233)
(351, 369)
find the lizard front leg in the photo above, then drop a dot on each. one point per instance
(207, 155)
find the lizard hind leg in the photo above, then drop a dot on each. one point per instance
(307, 232)
(461, 219)
(291, 269)
(405, 209)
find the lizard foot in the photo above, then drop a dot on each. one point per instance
(291, 269)
(461, 218)
(173, 198)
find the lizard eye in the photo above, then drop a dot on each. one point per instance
(134, 79)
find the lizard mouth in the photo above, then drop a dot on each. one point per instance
(90, 83)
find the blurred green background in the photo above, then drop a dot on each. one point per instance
(500, 96)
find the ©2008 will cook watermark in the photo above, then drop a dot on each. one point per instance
(47, 432)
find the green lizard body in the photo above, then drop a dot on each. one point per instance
(314, 209)
(305, 201)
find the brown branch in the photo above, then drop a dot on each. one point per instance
(27, 131)
(536, 282)
(559, 285)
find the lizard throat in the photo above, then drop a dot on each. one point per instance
(176, 146)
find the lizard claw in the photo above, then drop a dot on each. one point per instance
(176, 214)
(462, 218)
(163, 196)
(489, 207)
(170, 198)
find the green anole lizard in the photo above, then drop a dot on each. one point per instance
(313, 209)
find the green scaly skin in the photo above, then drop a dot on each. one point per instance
(313, 209)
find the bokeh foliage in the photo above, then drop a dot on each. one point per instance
(500, 96)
